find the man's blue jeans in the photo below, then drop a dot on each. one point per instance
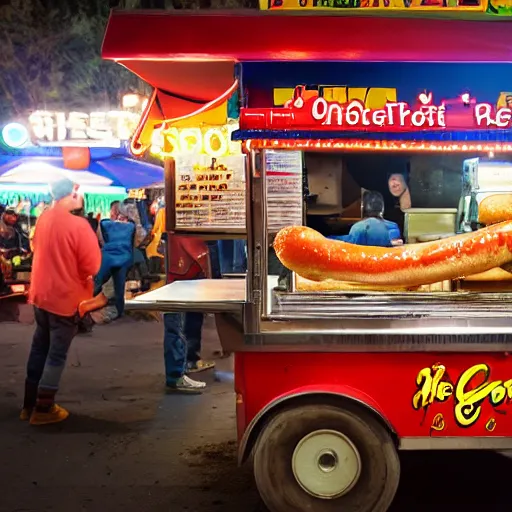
(233, 256)
(118, 275)
(182, 343)
(48, 354)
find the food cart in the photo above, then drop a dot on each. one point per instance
(333, 375)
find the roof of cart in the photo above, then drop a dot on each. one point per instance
(269, 36)
(189, 57)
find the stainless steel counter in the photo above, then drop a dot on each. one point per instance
(204, 295)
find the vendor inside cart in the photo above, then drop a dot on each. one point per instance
(373, 230)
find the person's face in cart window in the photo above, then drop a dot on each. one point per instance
(397, 185)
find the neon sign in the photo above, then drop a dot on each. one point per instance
(15, 135)
(213, 141)
(393, 115)
(60, 126)
(472, 389)
(486, 116)
(308, 110)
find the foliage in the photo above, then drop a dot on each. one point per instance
(50, 56)
(50, 59)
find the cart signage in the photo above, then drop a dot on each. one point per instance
(314, 112)
(214, 141)
(487, 116)
(469, 392)
(393, 115)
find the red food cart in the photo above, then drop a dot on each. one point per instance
(334, 376)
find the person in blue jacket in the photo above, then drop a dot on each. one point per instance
(117, 254)
(373, 230)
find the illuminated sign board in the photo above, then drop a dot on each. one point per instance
(315, 112)
(214, 141)
(49, 126)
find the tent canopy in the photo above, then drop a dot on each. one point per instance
(116, 171)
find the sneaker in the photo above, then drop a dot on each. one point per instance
(186, 385)
(200, 366)
(55, 415)
(25, 414)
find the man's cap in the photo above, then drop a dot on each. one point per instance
(61, 188)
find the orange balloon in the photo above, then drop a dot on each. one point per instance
(76, 159)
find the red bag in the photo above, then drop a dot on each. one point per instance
(188, 258)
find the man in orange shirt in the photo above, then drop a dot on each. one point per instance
(66, 257)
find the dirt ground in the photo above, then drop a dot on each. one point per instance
(130, 447)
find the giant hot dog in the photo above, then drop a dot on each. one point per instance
(495, 208)
(312, 256)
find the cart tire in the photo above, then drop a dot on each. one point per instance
(325, 458)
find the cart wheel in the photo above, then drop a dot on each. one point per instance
(324, 458)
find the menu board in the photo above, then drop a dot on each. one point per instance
(210, 192)
(284, 189)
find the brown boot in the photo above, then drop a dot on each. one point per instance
(25, 414)
(55, 414)
(98, 302)
(46, 410)
(29, 401)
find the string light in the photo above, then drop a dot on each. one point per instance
(377, 145)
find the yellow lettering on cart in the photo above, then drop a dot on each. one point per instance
(470, 392)
(432, 389)
(214, 141)
(372, 97)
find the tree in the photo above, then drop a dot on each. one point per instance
(50, 59)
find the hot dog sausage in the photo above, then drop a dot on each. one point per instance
(495, 208)
(312, 256)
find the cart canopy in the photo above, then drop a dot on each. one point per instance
(189, 57)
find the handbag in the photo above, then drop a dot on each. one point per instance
(188, 258)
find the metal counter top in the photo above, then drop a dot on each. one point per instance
(203, 295)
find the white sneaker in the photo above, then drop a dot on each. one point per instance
(187, 385)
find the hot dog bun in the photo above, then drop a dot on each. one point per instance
(495, 274)
(311, 255)
(495, 208)
(329, 285)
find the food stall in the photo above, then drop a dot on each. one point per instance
(347, 354)
(104, 174)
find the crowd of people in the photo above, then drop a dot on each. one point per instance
(74, 255)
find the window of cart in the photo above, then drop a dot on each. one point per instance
(378, 216)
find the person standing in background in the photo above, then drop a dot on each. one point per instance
(66, 257)
(114, 210)
(117, 253)
(155, 251)
(189, 259)
(94, 223)
(140, 269)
